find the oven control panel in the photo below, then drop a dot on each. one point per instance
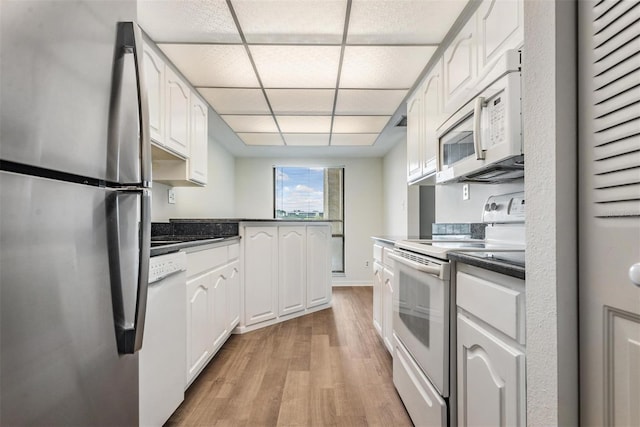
(506, 208)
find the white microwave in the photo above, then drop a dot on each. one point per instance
(482, 141)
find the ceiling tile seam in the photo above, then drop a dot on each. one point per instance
(296, 44)
(304, 88)
(302, 114)
(253, 64)
(347, 17)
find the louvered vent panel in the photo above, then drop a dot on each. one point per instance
(616, 82)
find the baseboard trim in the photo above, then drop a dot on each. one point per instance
(339, 284)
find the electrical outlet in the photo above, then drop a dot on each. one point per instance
(465, 192)
(172, 196)
(366, 263)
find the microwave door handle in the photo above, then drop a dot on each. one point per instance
(477, 128)
(436, 271)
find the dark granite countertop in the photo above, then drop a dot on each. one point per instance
(175, 247)
(483, 260)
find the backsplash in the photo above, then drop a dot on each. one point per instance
(195, 227)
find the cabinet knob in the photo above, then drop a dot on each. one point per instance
(634, 274)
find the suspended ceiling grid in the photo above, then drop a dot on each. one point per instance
(301, 72)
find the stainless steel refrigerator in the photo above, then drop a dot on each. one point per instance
(74, 212)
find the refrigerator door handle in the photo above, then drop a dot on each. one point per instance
(129, 285)
(129, 45)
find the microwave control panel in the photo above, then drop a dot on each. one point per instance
(496, 112)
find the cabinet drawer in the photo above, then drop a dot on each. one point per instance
(377, 253)
(198, 262)
(386, 259)
(234, 251)
(500, 306)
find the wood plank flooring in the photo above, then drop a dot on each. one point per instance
(327, 368)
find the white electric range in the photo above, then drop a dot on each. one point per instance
(424, 308)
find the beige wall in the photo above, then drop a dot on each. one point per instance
(216, 200)
(363, 203)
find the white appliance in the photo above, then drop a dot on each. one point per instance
(163, 355)
(424, 315)
(482, 141)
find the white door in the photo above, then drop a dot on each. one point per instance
(609, 202)
(260, 274)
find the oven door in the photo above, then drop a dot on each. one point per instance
(421, 316)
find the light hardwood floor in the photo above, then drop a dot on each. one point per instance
(327, 368)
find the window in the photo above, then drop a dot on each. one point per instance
(302, 193)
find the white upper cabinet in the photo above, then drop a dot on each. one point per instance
(460, 67)
(431, 118)
(414, 114)
(424, 115)
(154, 77)
(178, 105)
(199, 140)
(500, 28)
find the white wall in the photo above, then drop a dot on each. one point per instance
(395, 191)
(451, 208)
(216, 200)
(363, 203)
(549, 125)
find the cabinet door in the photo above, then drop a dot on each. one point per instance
(491, 380)
(318, 265)
(218, 295)
(414, 124)
(387, 309)
(500, 28)
(178, 106)
(260, 274)
(233, 294)
(431, 118)
(199, 317)
(377, 296)
(460, 68)
(199, 140)
(154, 82)
(292, 259)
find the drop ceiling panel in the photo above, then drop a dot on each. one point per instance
(342, 139)
(188, 21)
(261, 138)
(251, 123)
(304, 124)
(363, 102)
(391, 67)
(297, 66)
(235, 101)
(291, 21)
(307, 139)
(402, 22)
(213, 65)
(359, 124)
(301, 101)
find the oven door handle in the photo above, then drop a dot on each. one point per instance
(436, 271)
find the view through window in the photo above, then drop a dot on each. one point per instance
(303, 193)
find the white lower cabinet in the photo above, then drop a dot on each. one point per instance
(286, 271)
(233, 294)
(387, 309)
(377, 296)
(213, 304)
(318, 265)
(491, 354)
(383, 288)
(291, 269)
(260, 274)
